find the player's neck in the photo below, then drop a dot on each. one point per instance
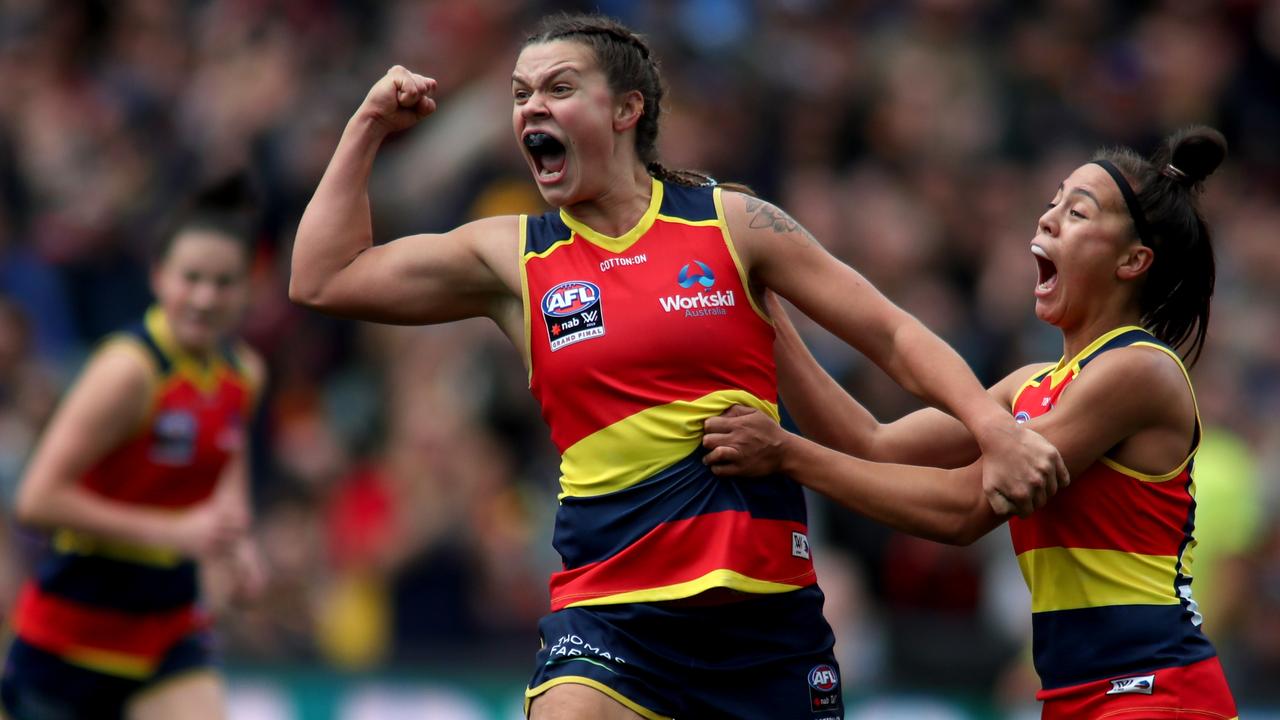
(620, 207)
(1078, 337)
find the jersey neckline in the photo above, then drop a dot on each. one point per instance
(622, 242)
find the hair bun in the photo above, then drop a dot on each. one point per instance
(1194, 154)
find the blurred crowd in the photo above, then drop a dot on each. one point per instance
(404, 483)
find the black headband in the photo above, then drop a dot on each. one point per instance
(1130, 200)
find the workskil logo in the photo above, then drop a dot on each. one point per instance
(699, 275)
(573, 312)
(696, 273)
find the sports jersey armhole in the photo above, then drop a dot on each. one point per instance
(155, 375)
(1198, 430)
(722, 221)
(522, 251)
(1036, 378)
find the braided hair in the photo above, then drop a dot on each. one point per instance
(628, 64)
(1174, 301)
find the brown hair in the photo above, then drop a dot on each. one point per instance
(629, 64)
(1175, 298)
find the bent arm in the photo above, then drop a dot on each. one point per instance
(1097, 414)
(936, 504)
(468, 272)
(107, 405)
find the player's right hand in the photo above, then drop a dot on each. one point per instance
(399, 99)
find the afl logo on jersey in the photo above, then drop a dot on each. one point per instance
(696, 273)
(569, 298)
(573, 312)
(173, 438)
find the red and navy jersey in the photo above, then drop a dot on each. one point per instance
(1108, 561)
(117, 607)
(633, 342)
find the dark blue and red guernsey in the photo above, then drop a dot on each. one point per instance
(633, 342)
(1108, 561)
(116, 607)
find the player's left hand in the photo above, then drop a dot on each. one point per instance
(1020, 471)
(743, 441)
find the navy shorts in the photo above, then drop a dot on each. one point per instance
(41, 686)
(766, 657)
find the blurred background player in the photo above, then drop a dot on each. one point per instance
(141, 475)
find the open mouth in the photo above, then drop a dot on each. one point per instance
(548, 155)
(1046, 271)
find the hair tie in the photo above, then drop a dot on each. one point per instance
(1175, 174)
(1130, 201)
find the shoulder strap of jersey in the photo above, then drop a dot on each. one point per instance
(695, 204)
(1125, 339)
(543, 232)
(138, 331)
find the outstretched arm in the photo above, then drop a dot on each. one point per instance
(468, 272)
(829, 415)
(1019, 467)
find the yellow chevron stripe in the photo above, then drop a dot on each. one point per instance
(72, 542)
(645, 443)
(1073, 578)
(715, 579)
(110, 663)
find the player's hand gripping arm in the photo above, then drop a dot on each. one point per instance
(1020, 469)
(413, 280)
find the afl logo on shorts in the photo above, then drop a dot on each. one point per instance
(1021, 417)
(824, 690)
(824, 678)
(573, 313)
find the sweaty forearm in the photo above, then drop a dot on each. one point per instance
(943, 505)
(336, 225)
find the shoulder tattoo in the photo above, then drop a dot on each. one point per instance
(763, 215)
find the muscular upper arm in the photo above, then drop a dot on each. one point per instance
(470, 271)
(1118, 395)
(781, 255)
(107, 404)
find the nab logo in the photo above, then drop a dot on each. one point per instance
(570, 298)
(700, 275)
(823, 678)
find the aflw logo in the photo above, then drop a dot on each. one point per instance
(723, 298)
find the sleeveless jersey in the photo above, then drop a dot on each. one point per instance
(1108, 562)
(633, 342)
(117, 607)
